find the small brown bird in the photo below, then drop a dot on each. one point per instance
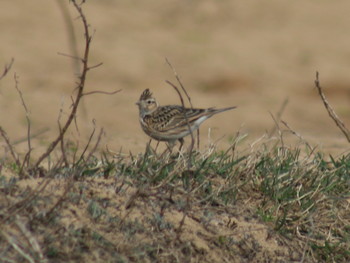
(172, 122)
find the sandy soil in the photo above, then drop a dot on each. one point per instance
(251, 54)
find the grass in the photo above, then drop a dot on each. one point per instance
(271, 202)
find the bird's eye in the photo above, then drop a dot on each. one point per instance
(149, 102)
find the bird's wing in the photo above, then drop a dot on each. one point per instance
(171, 117)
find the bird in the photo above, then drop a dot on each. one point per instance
(171, 122)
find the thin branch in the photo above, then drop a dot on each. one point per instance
(178, 80)
(278, 128)
(2, 131)
(72, 41)
(283, 107)
(187, 122)
(101, 92)
(62, 197)
(96, 66)
(330, 110)
(198, 141)
(185, 91)
(27, 156)
(278, 116)
(30, 238)
(71, 34)
(22, 204)
(80, 86)
(70, 56)
(96, 145)
(32, 136)
(75, 152)
(182, 222)
(7, 68)
(178, 92)
(17, 247)
(89, 141)
(62, 144)
(10, 146)
(297, 134)
(63, 149)
(75, 118)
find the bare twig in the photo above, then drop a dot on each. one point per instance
(277, 128)
(96, 66)
(10, 146)
(30, 238)
(63, 148)
(27, 156)
(62, 144)
(278, 116)
(71, 35)
(89, 141)
(178, 92)
(74, 158)
(96, 145)
(2, 131)
(80, 86)
(33, 135)
(72, 41)
(101, 92)
(188, 125)
(70, 56)
(198, 140)
(62, 197)
(75, 118)
(17, 247)
(297, 134)
(330, 110)
(179, 81)
(20, 205)
(185, 91)
(182, 222)
(7, 69)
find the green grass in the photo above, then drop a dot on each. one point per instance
(152, 208)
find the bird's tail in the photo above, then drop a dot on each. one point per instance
(215, 111)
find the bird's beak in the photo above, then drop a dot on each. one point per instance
(137, 103)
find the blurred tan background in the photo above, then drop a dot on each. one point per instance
(253, 54)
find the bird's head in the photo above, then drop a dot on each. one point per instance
(147, 104)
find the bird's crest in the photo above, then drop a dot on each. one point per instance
(146, 95)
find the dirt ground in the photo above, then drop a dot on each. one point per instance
(251, 54)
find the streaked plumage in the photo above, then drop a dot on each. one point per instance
(170, 123)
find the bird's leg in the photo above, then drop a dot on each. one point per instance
(198, 139)
(170, 146)
(148, 146)
(181, 140)
(157, 145)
